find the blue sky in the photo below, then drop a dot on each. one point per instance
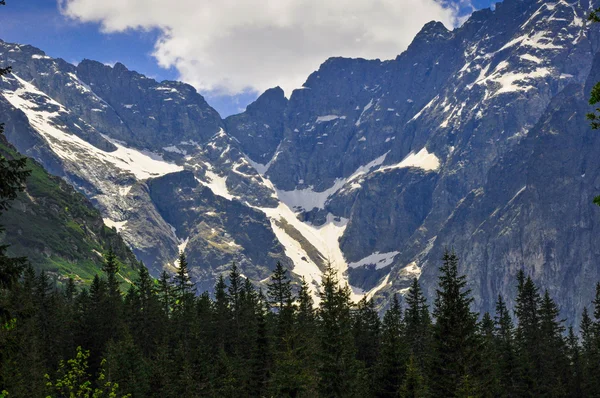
(39, 23)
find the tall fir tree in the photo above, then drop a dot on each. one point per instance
(165, 292)
(505, 349)
(417, 321)
(552, 377)
(366, 329)
(337, 376)
(393, 354)
(184, 289)
(590, 356)
(527, 336)
(455, 339)
(414, 385)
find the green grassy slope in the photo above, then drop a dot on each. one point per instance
(59, 230)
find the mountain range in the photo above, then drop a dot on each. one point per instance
(473, 139)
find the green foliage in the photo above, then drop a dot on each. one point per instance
(154, 342)
(74, 381)
(594, 117)
(455, 338)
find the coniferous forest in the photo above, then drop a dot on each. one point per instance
(159, 339)
(162, 338)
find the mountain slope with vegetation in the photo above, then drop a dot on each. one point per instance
(58, 229)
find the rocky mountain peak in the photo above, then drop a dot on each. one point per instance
(272, 101)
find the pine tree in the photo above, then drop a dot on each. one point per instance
(165, 293)
(527, 336)
(306, 340)
(184, 288)
(553, 365)
(366, 330)
(111, 269)
(279, 290)
(418, 325)
(486, 374)
(414, 385)
(504, 333)
(337, 365)
(590, 356)
(575, 377)
(455, 339)
(393, 354)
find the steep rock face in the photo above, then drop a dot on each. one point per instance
(156, 114)
(534, 212)
(473, 138)
(215, 231)
(259, 129)
(451, 108)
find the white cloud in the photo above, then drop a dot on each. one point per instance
(231, 45)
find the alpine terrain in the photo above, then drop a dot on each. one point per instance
(473, 139)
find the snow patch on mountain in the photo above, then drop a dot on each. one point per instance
(422, 160)
(380, 260)
(365, 109)
(329, 118)
(216, 183)
(118, 225)
(142, 164)
(307, 199)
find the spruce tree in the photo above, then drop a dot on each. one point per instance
(414, 385)
(486, 373)
(417, 322)
(505, 349)
(279, 289)
(575, 376)
(337, 364)
(307, 340)
(111, 269)
(554, 363)
(590, 356)
(113, 304)
(527, 336)
(393, 354)
(366, 331)
(148, 323)
(260, 360)
(165, 293)
(455, 339)
(279, 293)
(234, 290)
(184, 288)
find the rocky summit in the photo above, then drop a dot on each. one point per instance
(473, 139)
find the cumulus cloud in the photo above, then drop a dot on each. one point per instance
(231, 46)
